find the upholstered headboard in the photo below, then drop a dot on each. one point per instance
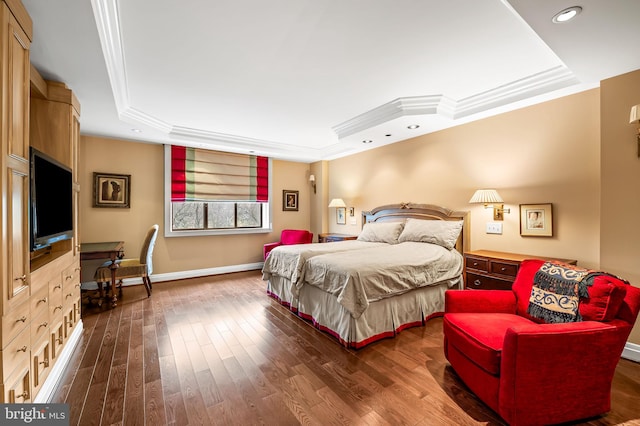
(403, 211)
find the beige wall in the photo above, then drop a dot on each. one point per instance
(555, 152)
(547, 153)
(144, 162)
(620, 165)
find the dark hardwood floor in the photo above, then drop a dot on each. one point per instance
(218, 350)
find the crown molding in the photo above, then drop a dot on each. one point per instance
(400, 107)
(108, 25)
(546, 81)
(242, 144)
(135, 115)
(540, 83)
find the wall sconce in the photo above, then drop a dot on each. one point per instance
(634, 116)
(337, 202)
(312, 181)
(491, 199)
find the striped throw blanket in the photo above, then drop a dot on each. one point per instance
(556, 292)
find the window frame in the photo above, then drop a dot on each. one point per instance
(267, 209)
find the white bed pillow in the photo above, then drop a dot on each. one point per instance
(442, 232)
(381, 232)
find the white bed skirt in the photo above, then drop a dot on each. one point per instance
(383, 318)
(280, 289)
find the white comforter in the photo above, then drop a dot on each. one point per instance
(287, 261)
(359, 277)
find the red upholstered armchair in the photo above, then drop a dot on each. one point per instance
(289, 236)
(534, 373)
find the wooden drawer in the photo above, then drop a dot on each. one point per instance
(55, 299)
(69, 296)
(39, 302)
(57, 339)
(14, 322)
(70, 318)
(41, 362)
(16, 353)
(71, 277)
(477, 263)
(485, 282)
(55, 287)
(17, 386)
(40, 326)
(504, 268)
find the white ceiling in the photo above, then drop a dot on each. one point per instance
(306, 80)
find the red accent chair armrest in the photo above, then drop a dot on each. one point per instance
(289, 237)
(268, 247)
(539, 368)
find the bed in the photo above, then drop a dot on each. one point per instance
(376, 286)
(283, 268)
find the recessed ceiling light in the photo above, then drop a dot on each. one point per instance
(413, 126)
(566, 14)
(367, 141)
(388, 134)
(136, 130)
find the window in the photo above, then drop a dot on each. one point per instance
(213, 192)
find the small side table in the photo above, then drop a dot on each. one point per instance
(495, 270)
(330, 237)
(105, 250)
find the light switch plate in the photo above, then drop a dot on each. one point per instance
(494, 228)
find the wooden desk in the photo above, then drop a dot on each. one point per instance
(105, 250)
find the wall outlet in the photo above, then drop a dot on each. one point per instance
(494, 228)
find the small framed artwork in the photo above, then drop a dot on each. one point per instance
(289, 200)
(111, 190)
(536, 220)
(341, 215)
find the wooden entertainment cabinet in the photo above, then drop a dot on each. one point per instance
(40, 322)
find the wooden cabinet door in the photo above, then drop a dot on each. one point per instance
(15, 151)
(75, 147)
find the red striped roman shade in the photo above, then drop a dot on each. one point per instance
(203, 175)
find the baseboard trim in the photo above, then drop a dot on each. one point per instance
(631, 352)
(171, 276)
(52, 381)
(182, 275)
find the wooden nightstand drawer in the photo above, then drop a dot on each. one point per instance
(493, 270)
(476, 263)
(503, 268)
(484, 282)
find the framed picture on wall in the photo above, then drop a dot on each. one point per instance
(341, 215)
(536, 220)
(289, 200)
(111, 190)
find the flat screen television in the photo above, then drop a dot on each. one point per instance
(51, 201)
